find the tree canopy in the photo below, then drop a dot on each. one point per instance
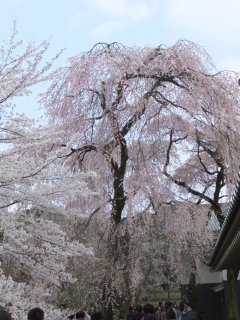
(159, 126)
(35, 249)
(149, 114)
(140, 151)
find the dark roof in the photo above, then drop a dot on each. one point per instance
(226, 254)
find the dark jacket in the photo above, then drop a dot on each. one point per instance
(171, 314)
(139, 315)
(150, 316)
(191, 315)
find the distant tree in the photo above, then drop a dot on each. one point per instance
(160, 127)
(33, 186)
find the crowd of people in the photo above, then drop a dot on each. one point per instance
(38, 314)
(167, 311)
(83, 315)
(33, 314)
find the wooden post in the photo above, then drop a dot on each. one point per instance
(233, 295)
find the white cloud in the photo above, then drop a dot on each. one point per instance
(104, 31)
(215, 17)
(213, 24)
(116, 8)
(135, 9)
(141, 12)
(112, 16)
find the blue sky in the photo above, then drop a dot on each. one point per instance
(78, 24)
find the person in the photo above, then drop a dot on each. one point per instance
(158, 310)
(149, 312)
(35, 314)
(87, 316)
(164, 312)
(139, 312)
(170, 311)
(175, 309)
(80, 314)
(5, 315)
(179, 310)
(191, 315)
(131, 313)
(96, 316)
(186, 308)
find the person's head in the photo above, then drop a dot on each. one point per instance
(181, 306)
(130, 309)
(170, 305)
(36, 314)
(5, 315)
(96, 316)
(186, 304)
(148, 308)
(139, 308)
(80, 315)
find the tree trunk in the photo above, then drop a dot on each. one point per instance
(233, 295)
(107, 313)
(192, 292)
(192, 287)
(118, 257)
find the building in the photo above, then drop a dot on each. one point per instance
(226, 257)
